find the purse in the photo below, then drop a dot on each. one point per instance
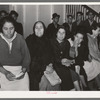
(53, 78)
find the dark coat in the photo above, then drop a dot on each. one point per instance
(19, 28)
(40, 51)
(87, 26)
(51, 31)
(61, 51)
(67, 27)
(76, 27)
(41, 56)
(68, 31)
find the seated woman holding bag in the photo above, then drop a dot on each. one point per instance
(39, 47)
(50, 81)
(62, 60)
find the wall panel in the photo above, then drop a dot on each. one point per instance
(44, 14)
(30, 17)
(59, 9)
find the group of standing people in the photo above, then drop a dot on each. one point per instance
(70, 50)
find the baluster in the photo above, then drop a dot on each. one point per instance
(70, 9)
(82, 11)
(74, 11)
(81, 8)
(95, 18)
(86, 13)
(67, 7)
(66, 10)
(99, 20)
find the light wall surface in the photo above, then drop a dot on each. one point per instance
(30, 17)
(95, 7)
(60, 9)
(44, 13)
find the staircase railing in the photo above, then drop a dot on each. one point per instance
(73, 9)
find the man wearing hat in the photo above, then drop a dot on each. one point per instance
(18, 26)
(52, 28)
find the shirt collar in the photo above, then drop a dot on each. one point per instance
(8, 40)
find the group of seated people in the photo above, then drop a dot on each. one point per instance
(57, 58)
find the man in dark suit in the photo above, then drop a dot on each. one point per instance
(52, 27)
(18, 26)
(78, 24)
(68, 25)
(89, 22)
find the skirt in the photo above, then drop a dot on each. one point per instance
(65, 75)
(92, 69)
(16, 85)
(45, 85)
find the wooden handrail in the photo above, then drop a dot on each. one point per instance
(90, 9)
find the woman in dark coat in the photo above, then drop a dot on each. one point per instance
(40, 54)
(61, 52)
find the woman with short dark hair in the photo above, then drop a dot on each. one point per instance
(61, 55)
(14, 58)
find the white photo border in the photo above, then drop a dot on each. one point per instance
(49, 94)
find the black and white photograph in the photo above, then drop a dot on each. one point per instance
(49, 47)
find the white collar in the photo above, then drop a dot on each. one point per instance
(8, 40)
